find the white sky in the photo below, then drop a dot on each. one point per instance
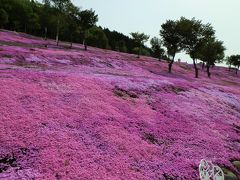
(147, 16)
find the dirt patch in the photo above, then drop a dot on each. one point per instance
(150, 138)
(174, 89)
(124, 93)
(7, 56)
(6, 162)
(17, 159)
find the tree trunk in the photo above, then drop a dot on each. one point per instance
(170, 65)
(139, 51)
(195, 67)
(85, 45)
(57, 36)
(45, 35)
(71, 43)
(208, 70)
(203, 66)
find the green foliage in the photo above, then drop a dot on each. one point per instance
(34, 22)
(60, 17)
(119, 41)
(233, 60)
(172, 40)
(88, 19)
(139, 38)
(96, 37)
(60, 5)
(236, 61)
(72, 24)
(121, 46)
(193, 34)
(3, 18)
(136, 50)
(211, 51)
(230, 60)
(141, 51)
(190, 32)
(157, 50)
(170, 33)
(18, 12)
(195, 38)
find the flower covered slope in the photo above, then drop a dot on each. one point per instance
(98, 114)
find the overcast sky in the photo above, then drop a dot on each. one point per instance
(147, 16)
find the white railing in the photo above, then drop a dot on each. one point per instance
(209, 171)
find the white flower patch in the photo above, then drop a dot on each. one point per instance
(63, 61)
(223, 96)
(7, 60)
(33, 58)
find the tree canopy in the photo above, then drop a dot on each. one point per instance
(59, 19)
(3, 18)
(96, 37)
(211, 51)
(171, 39)
(233, 60)
(139, 39)
(62, 20)
(193, 34)
(157, 49)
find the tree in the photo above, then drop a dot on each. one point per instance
(229, 61)
(144, 51)
(33, 22)
(140, 39)
(3, 18)
(119, 41)
(122, 46)
(88, 19)
(73, 21)
(193, 34)
(97, 38)
(171, 40)
(44, 15)
(157, 50)
(211, 51)
(233, 60)
(18, 12)
(46, 2)
(52, 18)
(60, 6)
(237, 62)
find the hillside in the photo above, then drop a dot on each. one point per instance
(71, 114)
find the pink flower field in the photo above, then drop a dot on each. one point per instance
(99, 114)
